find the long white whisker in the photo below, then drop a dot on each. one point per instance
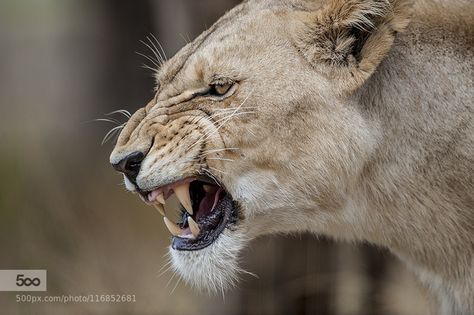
(155, 63)
(153, 70)
(114, 121)
(156, 51)
(232, 108)
(124, 112)
(169, 266)
(210, 175)
(218, 150)
(221, 159)
(239, 113)
(161, 47)
(111, 133)
(208, 132)
(168, 262)
(206, 136)
(175, 286)
(157, 58)
(184, 38)
(218, 170)
(169, 281)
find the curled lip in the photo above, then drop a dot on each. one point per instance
(148, 196)
(207, 209)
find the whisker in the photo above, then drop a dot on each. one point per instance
(168, 266)
(124, 112)
(218, 170)
(169, 281)
(218, 150)
(208, 132)
(155, 63)
(184, 38)
(153, 70)
(207, 135)
(157, 58)
(249, 273)
(114, 121)
(156, 51)
(239, 113)
(232, 108)
(209, 173)
(221, 159)
(189, 38)
(175, 286)
(161, 47)
(111, 133)
(189, 161)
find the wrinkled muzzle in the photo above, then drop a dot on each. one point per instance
(161, 154)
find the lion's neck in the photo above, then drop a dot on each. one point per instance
(416, 192)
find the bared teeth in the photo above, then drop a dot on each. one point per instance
(207, 188)
(182, 193)
(160, 208)
(160, 199)
(194, 227)
(173, 227)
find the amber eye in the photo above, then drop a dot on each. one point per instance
(219, 89)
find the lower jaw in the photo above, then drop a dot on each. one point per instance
(226, 215)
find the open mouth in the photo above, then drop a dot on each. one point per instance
(206, 210)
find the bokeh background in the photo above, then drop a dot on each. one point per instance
(64, 63)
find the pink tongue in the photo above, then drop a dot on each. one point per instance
(209, 202)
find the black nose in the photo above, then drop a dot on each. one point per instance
(130, 165)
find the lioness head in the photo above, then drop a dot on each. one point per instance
(254, 129)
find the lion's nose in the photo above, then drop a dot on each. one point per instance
(130, 165)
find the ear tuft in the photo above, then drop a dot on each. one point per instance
(347, 39)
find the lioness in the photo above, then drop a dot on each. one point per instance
(338, 117)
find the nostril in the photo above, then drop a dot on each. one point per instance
(133, 161)
(130, 165)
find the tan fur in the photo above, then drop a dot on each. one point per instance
(345, 120)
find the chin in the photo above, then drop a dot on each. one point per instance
(207, 240)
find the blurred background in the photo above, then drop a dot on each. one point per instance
(64, 63)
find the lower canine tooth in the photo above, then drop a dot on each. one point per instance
(206, 188)
(160, 208)
(172, 227)
(182, 193)
(193, 226)
(160, 199)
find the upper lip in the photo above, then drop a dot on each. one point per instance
(189, 228)
(150, 195)
(163, 192)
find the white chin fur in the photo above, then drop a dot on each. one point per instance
(214, 268)
(128, 184)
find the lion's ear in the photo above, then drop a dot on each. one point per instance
(347, 39)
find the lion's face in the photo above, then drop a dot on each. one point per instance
(250, 137)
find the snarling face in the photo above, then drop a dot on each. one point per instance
(250, 130)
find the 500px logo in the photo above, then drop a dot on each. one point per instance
(23, 280)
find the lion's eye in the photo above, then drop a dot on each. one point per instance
(219, 89)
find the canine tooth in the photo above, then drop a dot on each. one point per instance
(194, 227)
(206, 188)
(160, 208)
(172, 227)
(160, 199)
(182, 193)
